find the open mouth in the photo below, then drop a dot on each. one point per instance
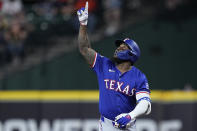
(116, 51)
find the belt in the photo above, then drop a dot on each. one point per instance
(106, 120)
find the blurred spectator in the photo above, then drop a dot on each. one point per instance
(133, 4)
(45, 10)
(15, 37)
(2, 50)
(172, 4)
(3, 23)
(11, 7)
(0, 5)
(67, 19)
(21, 18)
(67, 8)
(3, 27)
(174, 11)
(63, 19)
(112, 16)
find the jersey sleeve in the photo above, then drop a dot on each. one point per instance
(142, 90)
(97, 65)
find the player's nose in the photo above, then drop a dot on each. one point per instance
(121, 45)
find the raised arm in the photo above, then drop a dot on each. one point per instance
(84, 45)
(83, 41)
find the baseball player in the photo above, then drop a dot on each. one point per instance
(123, 89)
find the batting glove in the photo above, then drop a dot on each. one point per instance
(83, 15)
(124, 121)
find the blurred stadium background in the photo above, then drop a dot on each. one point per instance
(46, 86)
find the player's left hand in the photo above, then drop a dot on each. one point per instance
(124, 121)
(83, 14)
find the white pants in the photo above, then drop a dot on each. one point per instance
(106, 125)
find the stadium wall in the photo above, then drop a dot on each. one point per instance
(168, 59)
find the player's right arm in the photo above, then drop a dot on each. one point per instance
(83, 42)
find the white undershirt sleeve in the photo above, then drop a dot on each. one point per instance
(143, 106)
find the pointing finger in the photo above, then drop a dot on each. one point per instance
(86, 6)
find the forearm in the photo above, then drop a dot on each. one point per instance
(143, 107)
(83, 41)
(84, 45)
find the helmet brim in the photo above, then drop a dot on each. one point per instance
(118, 42)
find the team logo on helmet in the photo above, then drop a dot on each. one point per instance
(126, 39)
